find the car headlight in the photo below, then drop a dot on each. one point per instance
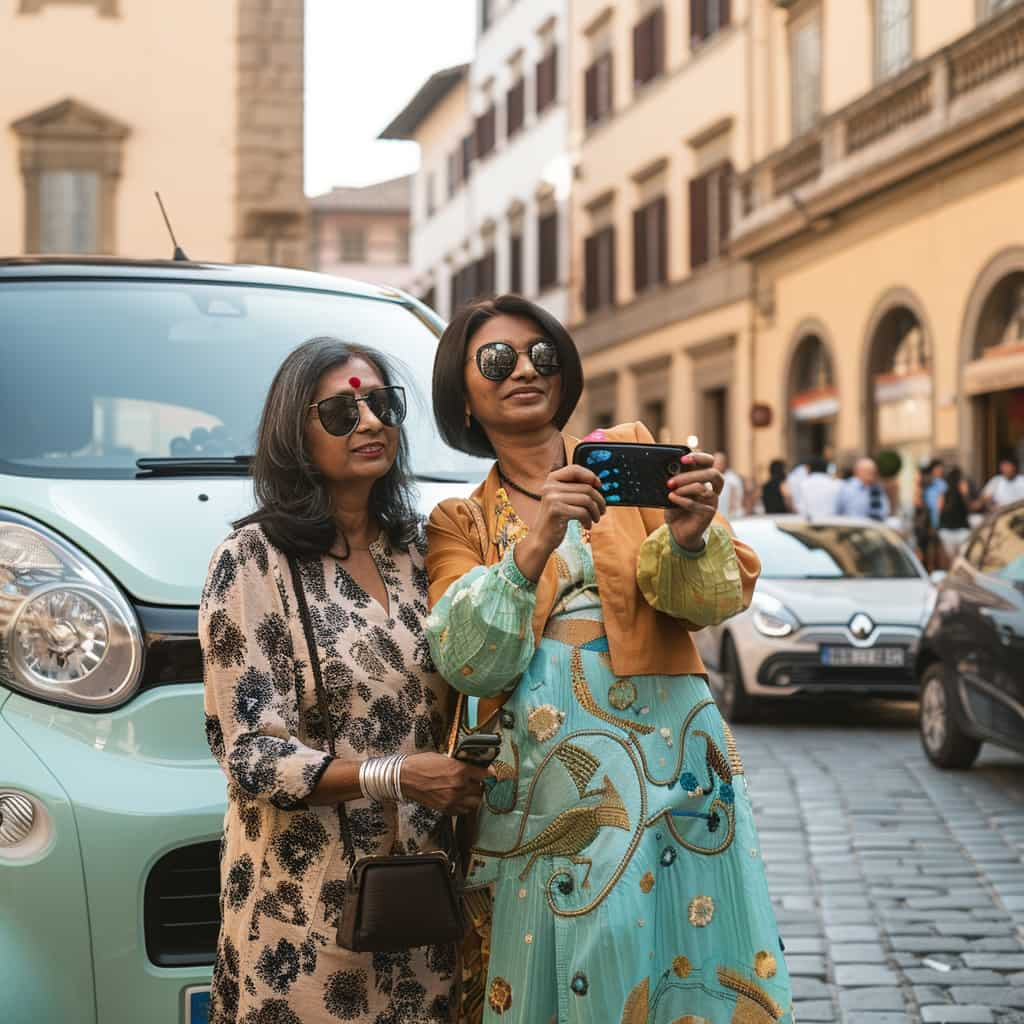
(771, 617)
(930, 597)
(67, 634)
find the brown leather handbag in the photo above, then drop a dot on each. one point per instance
(392, 903)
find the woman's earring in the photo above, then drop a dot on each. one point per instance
(469, 417)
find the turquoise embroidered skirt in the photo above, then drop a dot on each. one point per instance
(616, 875)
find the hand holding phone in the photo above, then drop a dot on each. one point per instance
(479, 748)
(633, 475)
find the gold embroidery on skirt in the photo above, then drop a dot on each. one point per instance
(745, 987)
(734, 755)
(581, 689)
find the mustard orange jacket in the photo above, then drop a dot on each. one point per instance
(641, 641)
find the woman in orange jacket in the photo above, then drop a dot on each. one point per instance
(615, 874)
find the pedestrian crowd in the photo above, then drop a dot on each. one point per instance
(944, 506)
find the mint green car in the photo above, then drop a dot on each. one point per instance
(129, 398)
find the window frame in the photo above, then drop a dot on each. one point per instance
(548, 259)
(649, 63)
(650, 245)
(711, 191)
(700, 29)
(595, 245)
(343, 249)
(594, 111)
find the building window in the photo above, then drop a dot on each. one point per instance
(467, 157)
(893, 36)
(515, 264)
(650, 245)
(353, 245)
(485, 132)
(707, 17)
(597, 88)
(547, 80)
(431, 188)
(710, 224)
(69, 211)
(649, 47)
(70, 158)
(515, 108)
(486, 277)
(599, 270)
(805, 73)
(547, 242)
(403, 246)
(486, 15)
(454, 166)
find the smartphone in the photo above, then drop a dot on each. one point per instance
(632, 475)
(478, 748)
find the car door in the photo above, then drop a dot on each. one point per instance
(998, 608)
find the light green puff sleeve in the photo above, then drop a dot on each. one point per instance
(704, 589)
(480, 632)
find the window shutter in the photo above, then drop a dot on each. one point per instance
(657, 42)
(515, 260)
(640, 51)
(590, 103)
(547, 234)
(724, 207)
(724, 13)
(486, 275)
(661, 220)
(698, 221)
(609, 297)
(467, 156)
(604, 85)
(640, 249)
(591, 270)
(541, 89)
(553, 75)
(698, 21)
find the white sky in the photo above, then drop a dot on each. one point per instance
(365, 59)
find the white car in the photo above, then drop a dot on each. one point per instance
(839, 608)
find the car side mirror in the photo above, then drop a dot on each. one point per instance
(937, 576)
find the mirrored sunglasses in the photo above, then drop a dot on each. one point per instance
(339, 414)
(497, 360)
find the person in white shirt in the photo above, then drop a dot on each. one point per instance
(730, 500)
(819, 492)
(795, 481)
(1006, 487)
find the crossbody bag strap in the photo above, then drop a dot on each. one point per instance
(321, 697)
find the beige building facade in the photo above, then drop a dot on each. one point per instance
(861, 285)
(104, 102)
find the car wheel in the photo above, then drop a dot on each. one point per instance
(727, 686)
(944, 741)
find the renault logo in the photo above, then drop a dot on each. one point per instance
(861, 626)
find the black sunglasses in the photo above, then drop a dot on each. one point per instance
(339, 414)
(497, 359)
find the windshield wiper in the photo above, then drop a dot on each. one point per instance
(195, 465)
(441, 478)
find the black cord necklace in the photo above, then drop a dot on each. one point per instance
(522, 490)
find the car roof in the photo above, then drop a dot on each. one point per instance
(92, 268)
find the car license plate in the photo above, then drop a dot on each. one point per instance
(197, 1005)
(863, 657)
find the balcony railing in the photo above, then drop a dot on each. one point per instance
(859, 148)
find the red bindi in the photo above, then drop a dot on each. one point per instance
(354, 381)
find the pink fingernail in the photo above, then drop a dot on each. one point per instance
(687, 460)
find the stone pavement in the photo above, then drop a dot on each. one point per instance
(899, 888)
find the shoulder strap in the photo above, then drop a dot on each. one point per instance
(321, 699)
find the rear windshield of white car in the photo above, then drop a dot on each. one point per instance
(99, 374)
(822, 551)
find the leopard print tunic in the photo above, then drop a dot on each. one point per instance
(283, 867)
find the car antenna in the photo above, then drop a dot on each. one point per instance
(179, 253)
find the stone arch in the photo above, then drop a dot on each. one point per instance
(1004, 266)
(811, 331)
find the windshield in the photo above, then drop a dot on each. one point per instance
(100, 374)
(797, 550)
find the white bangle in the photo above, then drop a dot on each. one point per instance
(380, 778)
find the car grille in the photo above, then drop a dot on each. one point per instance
(806, 670)
(182, 913)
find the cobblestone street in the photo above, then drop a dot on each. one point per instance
(899, 889)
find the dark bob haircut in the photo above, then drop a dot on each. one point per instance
(293, 503)
(449, 368)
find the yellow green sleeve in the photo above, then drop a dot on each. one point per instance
(704, 588)
(480, 631)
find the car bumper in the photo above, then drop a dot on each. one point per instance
(123, 791)
(792, 665)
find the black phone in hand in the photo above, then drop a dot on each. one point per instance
(632, 475)
(479, 748)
